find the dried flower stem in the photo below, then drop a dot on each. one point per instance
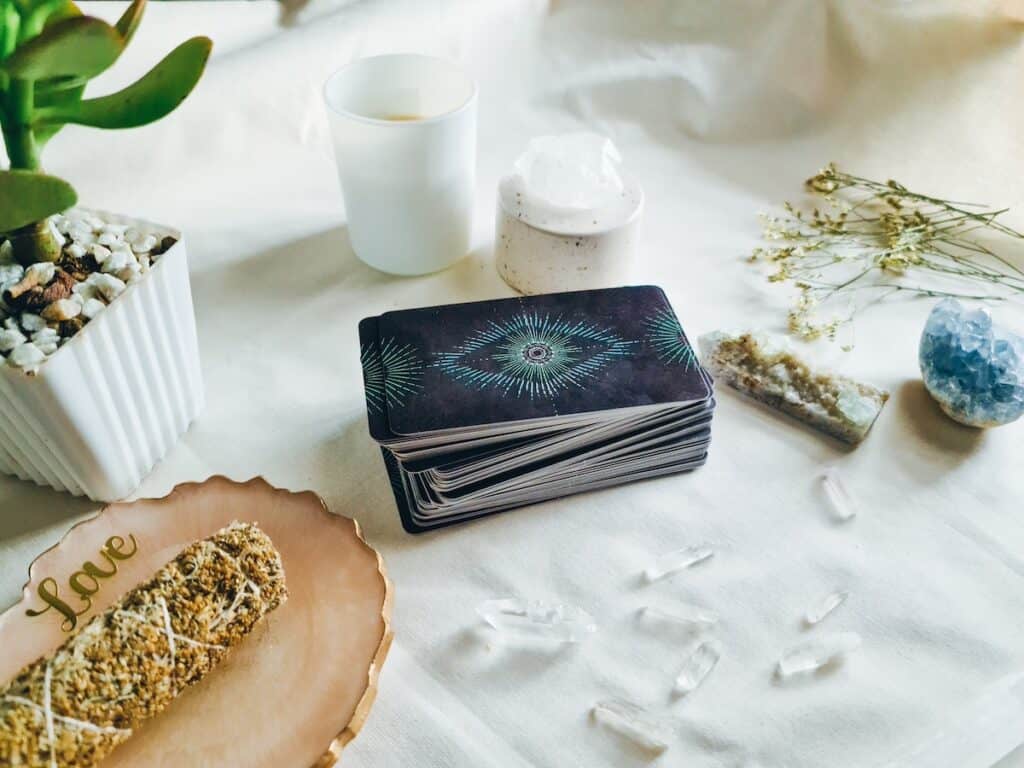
(866, 240)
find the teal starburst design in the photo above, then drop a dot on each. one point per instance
(533, 355)
(392, 373)
(665, 334)
(373, 376)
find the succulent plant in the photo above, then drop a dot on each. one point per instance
(48, 53)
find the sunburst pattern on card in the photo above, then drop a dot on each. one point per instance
(373, 376)
(666, 335)
(533, 355)
(392, 373)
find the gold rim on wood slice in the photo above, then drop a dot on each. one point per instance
(295, 692)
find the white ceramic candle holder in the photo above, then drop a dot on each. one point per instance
(544, 249)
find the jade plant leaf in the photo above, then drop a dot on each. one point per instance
(27, 197)
(80, 46)
(61, 92)
(42, 14)
(157, 94)
(10, 23)
(130, 19)
(53, 88)
(66, 10)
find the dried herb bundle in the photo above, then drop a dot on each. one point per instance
(74, 706)
(870, 240)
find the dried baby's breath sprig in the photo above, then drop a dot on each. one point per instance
(869, 240)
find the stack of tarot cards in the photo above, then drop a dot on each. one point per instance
(491, 405)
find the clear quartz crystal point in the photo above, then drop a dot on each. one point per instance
(815, 654)
(537, 619)
(571, 170)
(632, 722)
(698, 666)
(677, 561)
(821, 609)
(682, 613)
(843, 505)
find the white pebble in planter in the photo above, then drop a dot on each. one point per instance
(96, 415)
(567, 219)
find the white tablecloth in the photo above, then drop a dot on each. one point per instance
(721, 109)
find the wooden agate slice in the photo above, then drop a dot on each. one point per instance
(293, 691)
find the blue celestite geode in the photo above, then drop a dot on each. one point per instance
(973, 368)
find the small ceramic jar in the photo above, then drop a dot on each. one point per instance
(545, 249)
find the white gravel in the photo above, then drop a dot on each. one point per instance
(27, 356)
(122, 253)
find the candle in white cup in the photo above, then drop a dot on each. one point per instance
(404, 133)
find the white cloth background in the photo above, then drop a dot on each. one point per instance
(721, 109)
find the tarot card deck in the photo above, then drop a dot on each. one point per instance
(490, 405)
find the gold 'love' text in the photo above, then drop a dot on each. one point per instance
(84, 583)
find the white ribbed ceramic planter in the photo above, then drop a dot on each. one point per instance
(111, 402)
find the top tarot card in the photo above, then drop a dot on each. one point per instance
(535, 357)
